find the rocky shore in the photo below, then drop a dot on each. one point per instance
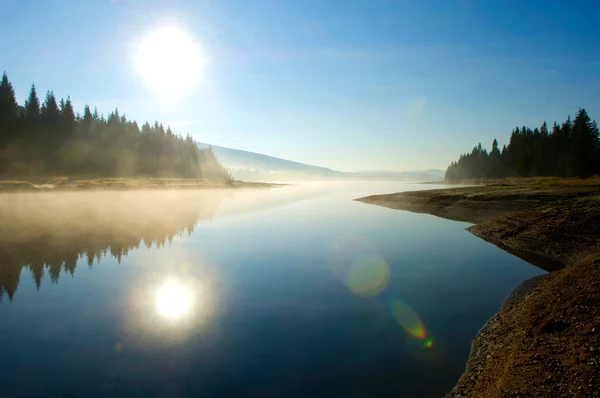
(545, 340)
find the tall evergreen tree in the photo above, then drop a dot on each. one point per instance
(564, 140)
(495, 168)
(8, 101)
(85, 124)
(584, 145)
(50, 112)
(87, 115)
(8, 111)
(67, 119)
(32, 107)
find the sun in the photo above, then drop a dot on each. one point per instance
(169, 60)
(173, 300)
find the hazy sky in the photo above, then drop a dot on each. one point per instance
(350, 85)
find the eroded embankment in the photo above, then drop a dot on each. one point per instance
(545, 341)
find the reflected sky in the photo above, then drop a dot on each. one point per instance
(293, 292)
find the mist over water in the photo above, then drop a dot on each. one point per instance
(292, 291)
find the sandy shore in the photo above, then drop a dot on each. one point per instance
(545, 340)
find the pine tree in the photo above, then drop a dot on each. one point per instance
(68, 120)
(32, 107)
(8, 101)
(596, 133)
(85, 123)
(495, 161)
(552, 158)
(9, 111)
(87, 115)
(584, 142)
(50, 112)
(564, 162)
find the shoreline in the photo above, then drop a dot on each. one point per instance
(70, 184)
(545, 339)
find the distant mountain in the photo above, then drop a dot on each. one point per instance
(432, 172)
(376, 172)
(251, 166)
(239, 159)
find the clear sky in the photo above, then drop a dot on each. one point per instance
(351, 85)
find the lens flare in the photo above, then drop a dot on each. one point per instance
(173, 300)
(360, 267)
(368, 276)
(423, 351)
(409, 320)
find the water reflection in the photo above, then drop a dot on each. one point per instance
(50, 233)
(259, 302)
(173, 300)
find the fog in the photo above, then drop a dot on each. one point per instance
(48, 233)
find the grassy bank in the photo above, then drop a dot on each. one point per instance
(545, 341)
(84, 184)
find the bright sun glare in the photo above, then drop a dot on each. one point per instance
(169, 60)
(173, 300)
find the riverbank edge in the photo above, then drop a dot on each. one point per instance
(520, 351)
(67, 184)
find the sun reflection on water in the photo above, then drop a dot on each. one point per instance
(173, 300)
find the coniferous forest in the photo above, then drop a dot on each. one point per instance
(47, 138)
(571, 149)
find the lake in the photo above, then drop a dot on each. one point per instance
(287, 292)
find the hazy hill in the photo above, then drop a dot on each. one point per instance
(431, 172)
(251, 166)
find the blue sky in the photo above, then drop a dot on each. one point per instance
(350, 85)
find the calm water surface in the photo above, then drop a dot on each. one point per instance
(290, 292)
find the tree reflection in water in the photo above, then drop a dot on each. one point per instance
(51, 232)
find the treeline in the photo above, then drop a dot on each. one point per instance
(49, 139)
(571, 149)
